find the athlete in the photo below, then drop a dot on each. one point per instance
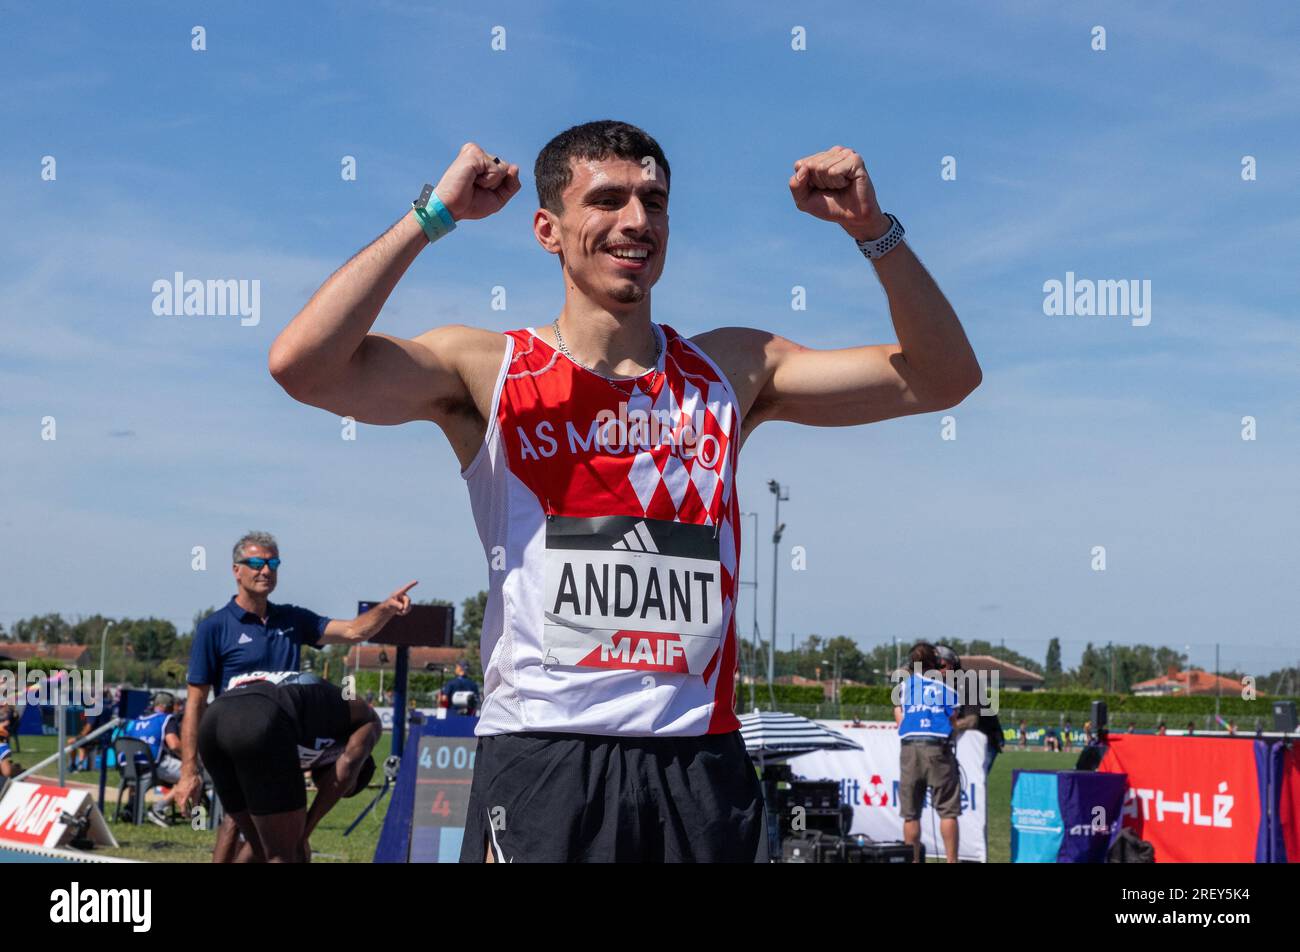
(600, 452)
(256, 740)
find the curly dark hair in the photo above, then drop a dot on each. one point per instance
(925, 654)
(603, 139)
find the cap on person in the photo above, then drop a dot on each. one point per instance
(947, 657)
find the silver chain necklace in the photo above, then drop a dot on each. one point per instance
(564, 349)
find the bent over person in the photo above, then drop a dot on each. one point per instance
(600, 449)
(259, 736)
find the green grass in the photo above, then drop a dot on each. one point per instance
(180, 844)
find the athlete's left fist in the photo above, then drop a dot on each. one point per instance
(834, 186)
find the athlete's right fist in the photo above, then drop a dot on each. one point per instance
(476, 185)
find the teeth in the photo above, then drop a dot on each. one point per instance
(630, 253)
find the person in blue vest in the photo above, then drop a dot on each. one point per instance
(8, 768)
(159, 730)
(252, 634)
(929, 716)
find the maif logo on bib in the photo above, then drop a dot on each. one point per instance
(632, 593)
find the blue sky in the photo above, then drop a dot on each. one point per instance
(1122, 164)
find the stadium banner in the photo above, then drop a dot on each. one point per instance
(868, 779)
(1195, 799)
(1067, 816)
(1284, 838)
(386, 715)
(37, 814)
(1037, 736)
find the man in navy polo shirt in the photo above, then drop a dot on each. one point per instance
(252, 634)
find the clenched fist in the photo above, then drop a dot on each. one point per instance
(834, 186)
(476, 185)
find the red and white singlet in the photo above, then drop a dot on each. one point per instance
(608, 514)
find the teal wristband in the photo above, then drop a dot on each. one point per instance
(433, 216)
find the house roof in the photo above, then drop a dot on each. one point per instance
(76, 655)
(1189, 682)
(1006, 670)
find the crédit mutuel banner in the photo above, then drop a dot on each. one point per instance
(868, 779)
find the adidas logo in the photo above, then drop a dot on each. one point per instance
(244, 639)
(637, 539)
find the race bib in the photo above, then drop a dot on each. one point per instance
(632, 593)
(325, 752)
(272, 677)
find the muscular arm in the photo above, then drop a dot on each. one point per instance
(328, 357)
(195, 703)
(337, 779)
(932, 367)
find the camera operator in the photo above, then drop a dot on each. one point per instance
(987, 724)
(928, 722)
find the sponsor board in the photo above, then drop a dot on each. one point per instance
(869, 780)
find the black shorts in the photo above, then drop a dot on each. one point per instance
(249, 739)
(559, 798)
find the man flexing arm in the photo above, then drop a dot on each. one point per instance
(327, 357)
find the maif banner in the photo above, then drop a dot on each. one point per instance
(868, 779)
(1195, 799)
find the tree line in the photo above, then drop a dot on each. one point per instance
(1112, 668)
(152, 650)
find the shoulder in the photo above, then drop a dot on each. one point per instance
(738, 343)
(295, 612)
(747, 356)
(212, 623)
(465, 348)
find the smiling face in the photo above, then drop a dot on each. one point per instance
(259, 583)
(613, 234)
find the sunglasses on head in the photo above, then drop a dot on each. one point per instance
(256, 564)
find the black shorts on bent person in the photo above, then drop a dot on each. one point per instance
(249, 739)
(561, 798)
